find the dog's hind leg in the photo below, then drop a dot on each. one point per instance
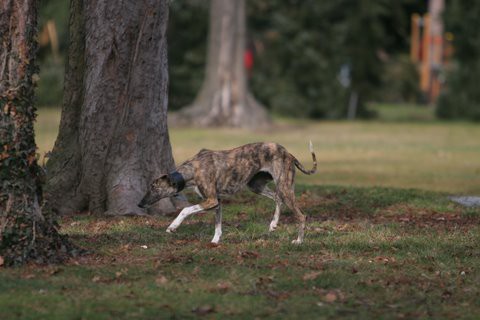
(258, 184)
(206, 205)
(289, 200)
(276, 217)
(285, 189)
(218, 224)
(278, 204)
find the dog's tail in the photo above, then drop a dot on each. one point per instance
(302, 168)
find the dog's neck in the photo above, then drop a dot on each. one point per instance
(187, 171)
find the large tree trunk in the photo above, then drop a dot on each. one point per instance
(25, 233)
(113, 137)
(224, 99)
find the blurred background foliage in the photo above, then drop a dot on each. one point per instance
(309, 55)
(461, 99)
(50, 87)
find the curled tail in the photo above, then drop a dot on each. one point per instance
(302, 168)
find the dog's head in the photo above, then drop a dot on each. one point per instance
(160, 188)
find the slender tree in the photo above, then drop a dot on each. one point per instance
(25, 233)
(113, 137)
(224, 99)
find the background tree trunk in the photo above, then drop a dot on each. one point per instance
(224, 99)
(25, 234)
(113, 137)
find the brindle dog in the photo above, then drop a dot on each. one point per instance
(217, 173)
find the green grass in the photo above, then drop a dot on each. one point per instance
(369, 253)
(423, 155)
(404, 112)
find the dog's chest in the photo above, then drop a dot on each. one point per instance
(227, 173)
(233, 181)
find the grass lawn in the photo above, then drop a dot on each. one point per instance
(370, 252)
(423, 155)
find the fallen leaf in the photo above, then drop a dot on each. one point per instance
(96, 279)
(249, 254)
(223, 287)
(161, 280)
(330, 297)
(311, 275)
(264, 281)
(385, 260)
(144, 247)
(204, 310)
(53, 271)
(2, 261)
(278, 295)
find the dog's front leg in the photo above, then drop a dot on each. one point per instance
(206, 205)
(218, 224)
(182, 215)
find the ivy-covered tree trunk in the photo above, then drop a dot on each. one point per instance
(113, 137)
(25, 233)
(224, 99)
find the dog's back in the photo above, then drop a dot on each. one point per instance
(230, 170)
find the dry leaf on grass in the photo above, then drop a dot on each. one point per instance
(222, 287)
(161, 280)
(311, 275)
(204, 310)
(330, 297)
(249, 254)
(53, 271)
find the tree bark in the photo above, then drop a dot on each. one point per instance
(113, 137)
(25, 233)
(224, 99)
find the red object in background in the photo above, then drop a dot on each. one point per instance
(248, 59)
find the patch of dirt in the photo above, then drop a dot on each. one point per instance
(424, 217)
(402, 213)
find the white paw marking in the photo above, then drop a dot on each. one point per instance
(297, 241)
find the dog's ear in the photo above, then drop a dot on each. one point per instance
(168, 179)
(163, 177)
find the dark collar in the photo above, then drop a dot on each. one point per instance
(177, 180)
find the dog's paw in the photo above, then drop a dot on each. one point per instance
(272, 228)
(170, 230)
(297, 241)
